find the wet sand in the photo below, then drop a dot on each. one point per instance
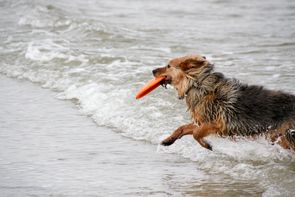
(49, 148)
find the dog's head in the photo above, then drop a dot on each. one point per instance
(180, 72)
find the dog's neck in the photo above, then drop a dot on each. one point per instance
(191, 81)
(201, 86)
(196, 82)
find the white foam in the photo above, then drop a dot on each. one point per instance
(42, 17)
(116, 108)
(110, 101)
(90, 63)
(45, 50)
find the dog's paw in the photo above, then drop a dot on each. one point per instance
(167, 142)
(209, 147)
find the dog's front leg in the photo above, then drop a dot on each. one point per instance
(204, 130)
(178, 133)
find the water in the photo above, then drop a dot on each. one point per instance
(99, 53)
(58, 152)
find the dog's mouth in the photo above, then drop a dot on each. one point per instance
(166, 81)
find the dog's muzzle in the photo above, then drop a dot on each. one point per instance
(167, 79)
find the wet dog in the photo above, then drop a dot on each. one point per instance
(226, 107)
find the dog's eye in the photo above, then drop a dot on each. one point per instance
(168, 66)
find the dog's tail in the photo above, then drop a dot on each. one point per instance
(290, 136)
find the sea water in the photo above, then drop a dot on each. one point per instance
(98, 54)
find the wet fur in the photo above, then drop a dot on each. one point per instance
(226, 107)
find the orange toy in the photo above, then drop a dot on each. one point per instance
(149, 86)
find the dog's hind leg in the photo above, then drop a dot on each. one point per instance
(290, 137)
(204, 130)
(178, 133)
(285, 135)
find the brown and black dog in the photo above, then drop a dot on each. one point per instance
(226, 107)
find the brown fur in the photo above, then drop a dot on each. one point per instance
(226, 107)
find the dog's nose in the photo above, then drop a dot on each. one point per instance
(154, 72)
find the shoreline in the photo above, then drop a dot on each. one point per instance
(49, 148)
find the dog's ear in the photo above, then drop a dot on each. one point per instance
(192, 64)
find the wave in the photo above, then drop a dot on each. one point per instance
(100, 66)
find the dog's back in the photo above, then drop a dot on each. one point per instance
(254, 110)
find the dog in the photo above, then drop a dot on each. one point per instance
(227, 107)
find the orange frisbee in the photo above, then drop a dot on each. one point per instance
(149, 86)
